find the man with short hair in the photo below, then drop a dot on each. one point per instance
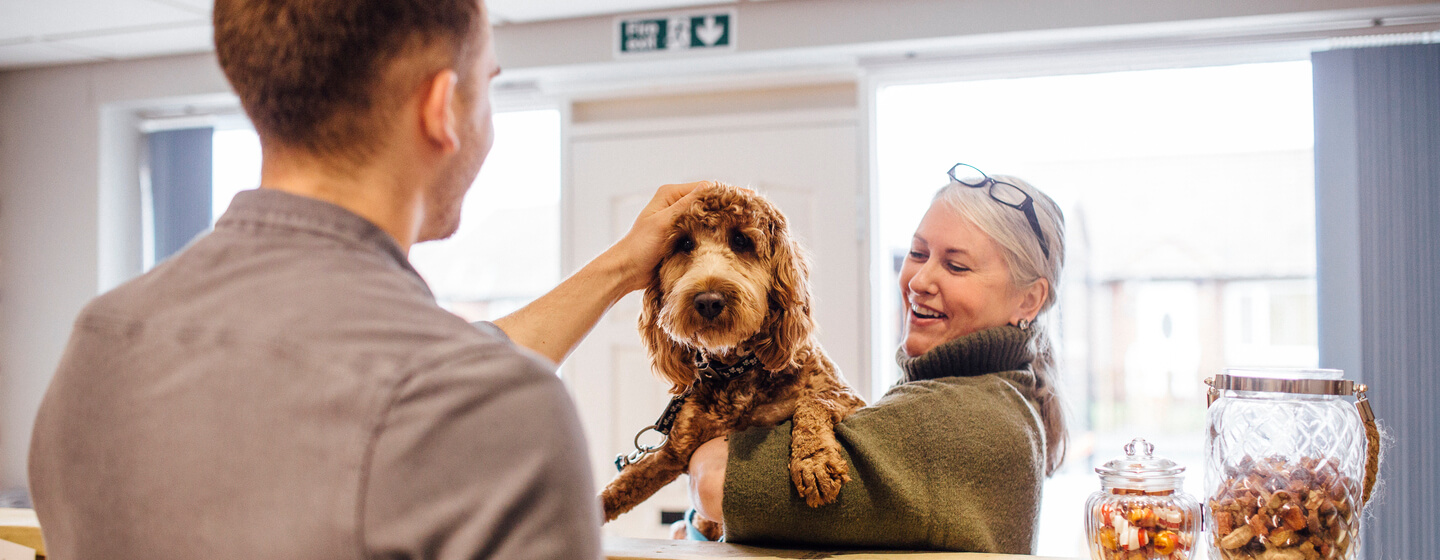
(287, 387)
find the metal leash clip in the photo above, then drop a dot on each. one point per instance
(661, 426)
(641, 451)
(708, 372)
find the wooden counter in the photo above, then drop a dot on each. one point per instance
(21, 527)
(617, 548)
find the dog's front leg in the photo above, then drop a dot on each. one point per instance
(640, 480)
(645, 477)
(817, 466)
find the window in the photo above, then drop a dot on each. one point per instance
(507, 250)
(1270, 322)
(236, 164)
(1189, 201)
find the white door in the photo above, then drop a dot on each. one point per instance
(804, 161)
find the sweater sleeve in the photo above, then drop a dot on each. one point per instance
(947, 464)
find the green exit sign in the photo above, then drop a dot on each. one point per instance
(671, 34)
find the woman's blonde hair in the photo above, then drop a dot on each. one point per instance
(1011, 230)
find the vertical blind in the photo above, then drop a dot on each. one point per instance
(180, 189)
(1377, 174)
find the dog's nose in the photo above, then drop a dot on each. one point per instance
(709, 304)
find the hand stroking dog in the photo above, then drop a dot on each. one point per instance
(728, 324)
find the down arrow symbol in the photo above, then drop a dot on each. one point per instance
(710, 32)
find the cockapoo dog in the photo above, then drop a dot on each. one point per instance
(727, 322)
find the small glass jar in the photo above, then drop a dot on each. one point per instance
(1140, 512)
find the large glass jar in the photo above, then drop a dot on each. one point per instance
(1286, 464)
(1140, 512)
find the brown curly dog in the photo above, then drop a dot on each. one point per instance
(727, 323)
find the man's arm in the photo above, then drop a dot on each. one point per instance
(554, 324)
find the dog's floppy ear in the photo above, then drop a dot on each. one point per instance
(672, 361)
(788, 323)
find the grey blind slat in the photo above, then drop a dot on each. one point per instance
(180, 186)
(1377, 157)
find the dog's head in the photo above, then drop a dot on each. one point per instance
(732, 281)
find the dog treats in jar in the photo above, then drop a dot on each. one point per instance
(1290, 464)
(1140, 512)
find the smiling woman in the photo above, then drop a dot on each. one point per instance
(976, 401)
(974, 265)
(1190, 197)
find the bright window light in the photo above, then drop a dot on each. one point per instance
(1189, 201)
(235, 165)
(507, 250)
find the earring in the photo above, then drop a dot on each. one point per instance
(1023, 324)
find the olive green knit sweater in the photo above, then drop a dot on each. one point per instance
(950, 459)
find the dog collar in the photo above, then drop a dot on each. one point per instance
(709, 371)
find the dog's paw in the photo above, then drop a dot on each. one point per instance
(819, 476)
(711, 529)
(612, 504)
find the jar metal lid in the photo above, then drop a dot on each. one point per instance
(1225, 382)
(1140, 464)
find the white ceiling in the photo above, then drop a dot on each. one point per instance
(47, 32)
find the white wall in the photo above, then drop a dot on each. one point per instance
(69, 201)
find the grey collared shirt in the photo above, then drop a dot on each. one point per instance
(286, 387)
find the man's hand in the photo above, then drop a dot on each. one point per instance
(637, 254)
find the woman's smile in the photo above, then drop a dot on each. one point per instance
(920, 314)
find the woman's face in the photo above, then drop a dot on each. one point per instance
(955, 282)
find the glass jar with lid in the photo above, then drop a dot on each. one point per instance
(1140, 512)
(1289, 464)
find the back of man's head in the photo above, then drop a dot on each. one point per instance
(318, 76)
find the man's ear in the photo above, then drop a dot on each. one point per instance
(1032, 298)
(437, 111)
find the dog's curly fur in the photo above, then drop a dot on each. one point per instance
(735, 244)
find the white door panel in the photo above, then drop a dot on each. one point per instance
(807, 168)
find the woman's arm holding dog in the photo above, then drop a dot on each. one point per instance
(554, 324)
(826, 469)
(707, 478)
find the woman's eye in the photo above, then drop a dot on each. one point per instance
(740, 244)
(917, 255)
(685, 244)
(956, 268)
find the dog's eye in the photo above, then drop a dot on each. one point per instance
(685, 244)
(741, 244)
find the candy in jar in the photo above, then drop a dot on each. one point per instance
(1140, 512)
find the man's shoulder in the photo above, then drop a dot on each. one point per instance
(327, 302)
(245, 265)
